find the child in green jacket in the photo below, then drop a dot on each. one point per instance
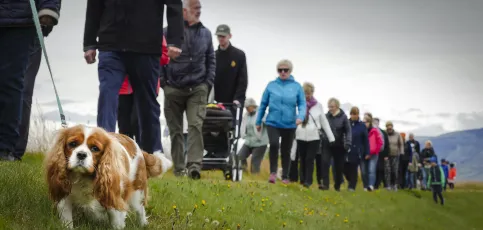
(436, 180)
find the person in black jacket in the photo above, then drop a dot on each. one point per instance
(411, 147)
(186, 85)
(17, 36)
(383, 155)
(129, 36)
(231, 79)
(341, 128)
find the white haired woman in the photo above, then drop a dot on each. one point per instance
(283, 97)
(425, 157)
(308, 136)
(255, 141)
(341, 128)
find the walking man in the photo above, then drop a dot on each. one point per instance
(185, 86)
(130, 40)
(231, 79)
(17, 36)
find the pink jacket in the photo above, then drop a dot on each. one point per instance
(375, 142)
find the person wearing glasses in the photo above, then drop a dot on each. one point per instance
(285, 99)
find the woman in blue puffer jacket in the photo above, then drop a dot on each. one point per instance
(283, 97)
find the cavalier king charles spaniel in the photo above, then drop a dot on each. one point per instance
(100, 174)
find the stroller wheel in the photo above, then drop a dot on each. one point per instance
(228, 175)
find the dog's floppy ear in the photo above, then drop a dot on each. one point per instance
(56, 166)
(107, 184)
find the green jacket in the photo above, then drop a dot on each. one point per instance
(436, 176)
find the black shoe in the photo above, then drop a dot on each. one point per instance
(194, 174)
(6, 156)
(323, 188)
(306, 185)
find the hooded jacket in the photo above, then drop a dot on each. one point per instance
(283, 98)
(375, 141)
(341, 128)
(360, 142)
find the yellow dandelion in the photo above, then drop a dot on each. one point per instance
(203, 202)
(346, 220)
(301, 221)
(223, 209)
(263, 205)
(261, 209)
(337, 215)
(174, 206)
(229, 186)
(284, 224)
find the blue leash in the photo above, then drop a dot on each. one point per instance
(42, 44)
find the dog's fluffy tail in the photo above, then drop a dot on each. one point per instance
(156, 164)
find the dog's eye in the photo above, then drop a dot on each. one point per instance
(95, 149)
(73, 144)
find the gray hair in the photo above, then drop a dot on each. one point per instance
(287, 63)
(250, 102)
(186, 3)
(309, 87)
(335, 101)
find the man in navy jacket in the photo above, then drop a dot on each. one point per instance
(17, 36)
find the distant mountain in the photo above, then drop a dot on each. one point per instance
(465, 148)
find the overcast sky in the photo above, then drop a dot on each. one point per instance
(416, 62)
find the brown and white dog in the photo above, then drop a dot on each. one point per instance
(101, 174)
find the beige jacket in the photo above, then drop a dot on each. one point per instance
(396, 145)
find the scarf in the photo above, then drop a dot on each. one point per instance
(310, 103)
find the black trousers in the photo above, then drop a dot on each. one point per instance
(127, 119)
(30, 75)
(307, 151)
(294, 166)
(403, 169)
(437, 193)
(285, 146)
(338, 153)
(351, 174)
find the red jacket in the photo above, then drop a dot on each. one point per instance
(375, 141)
(126, 87)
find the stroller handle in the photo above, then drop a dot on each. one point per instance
(233, 105)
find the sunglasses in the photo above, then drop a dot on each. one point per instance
(283, 70)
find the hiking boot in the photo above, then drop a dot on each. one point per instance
(323, 188)
(272, 178)
(6, 156)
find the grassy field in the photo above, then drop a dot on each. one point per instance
(213, 203)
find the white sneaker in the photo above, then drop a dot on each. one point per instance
(365, 190)
(371, 188)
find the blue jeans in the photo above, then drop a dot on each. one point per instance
(35, 57)
(424, 183)
(143, 71)
(15, 44)
(368, 171)
(411, 179)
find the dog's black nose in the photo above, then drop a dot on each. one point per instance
(81, 155)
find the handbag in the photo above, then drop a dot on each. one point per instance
(324, 140)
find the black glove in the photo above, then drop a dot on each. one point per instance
(46, 30)
(347, 147)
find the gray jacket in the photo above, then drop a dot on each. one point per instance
(196, 64)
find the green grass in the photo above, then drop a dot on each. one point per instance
(251, 204)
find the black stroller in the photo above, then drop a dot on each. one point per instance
(220, 137)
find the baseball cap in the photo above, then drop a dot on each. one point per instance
(223, 30)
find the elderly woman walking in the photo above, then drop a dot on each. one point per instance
(359, 149)
(283, 97)
(341, 128)
(308, 136)
(255, 141)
